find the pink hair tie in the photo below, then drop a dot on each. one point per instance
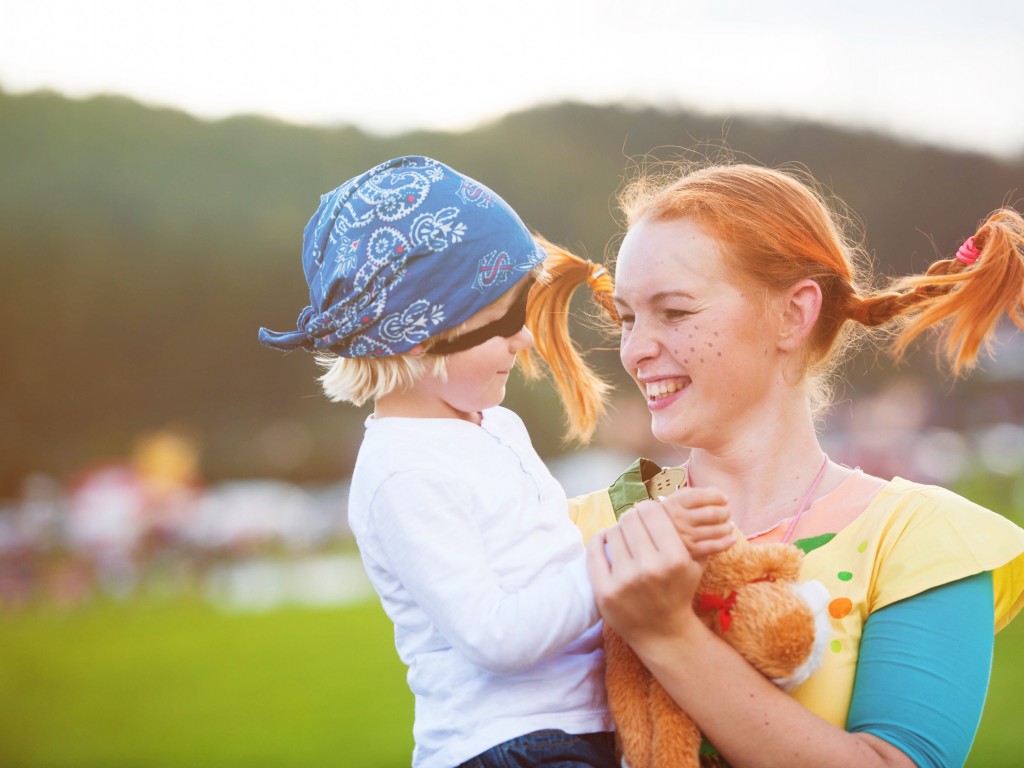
(968, 252)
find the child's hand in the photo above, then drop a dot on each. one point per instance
(702, 518)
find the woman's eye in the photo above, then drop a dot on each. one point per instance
(677, 314)
(626, 320)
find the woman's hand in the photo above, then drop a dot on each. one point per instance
(643, 575)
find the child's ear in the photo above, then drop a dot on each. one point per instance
(416, 351)
(800, 310)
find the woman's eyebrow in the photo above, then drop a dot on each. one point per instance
(658, 298)
(661, 296)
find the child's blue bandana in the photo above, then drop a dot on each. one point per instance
(401, 253)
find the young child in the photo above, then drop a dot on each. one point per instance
(419, 278)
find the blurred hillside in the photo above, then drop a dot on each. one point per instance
(140, 249)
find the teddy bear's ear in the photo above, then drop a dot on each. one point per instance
(778, 562)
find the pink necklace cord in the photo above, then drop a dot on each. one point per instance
(800, 512)
(968, 253)
(807, 501)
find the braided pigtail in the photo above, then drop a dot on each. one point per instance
(581, 391)
(966, 295)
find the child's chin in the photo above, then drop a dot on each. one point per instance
(490, 403)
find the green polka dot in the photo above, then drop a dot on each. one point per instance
(862, 547)
(836, 646)
(844, 575)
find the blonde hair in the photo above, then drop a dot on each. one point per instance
(778, 229)
(357, 380)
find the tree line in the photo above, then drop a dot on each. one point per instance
(141, 248)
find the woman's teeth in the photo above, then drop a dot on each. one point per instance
(659, 389)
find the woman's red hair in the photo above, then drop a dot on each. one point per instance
(777, 229)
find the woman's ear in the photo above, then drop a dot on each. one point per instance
(801, 305)
(416, 351)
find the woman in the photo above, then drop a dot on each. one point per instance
(738, 293)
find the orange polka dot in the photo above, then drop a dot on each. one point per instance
(840, 607)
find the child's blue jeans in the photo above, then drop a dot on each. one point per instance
(552, 749)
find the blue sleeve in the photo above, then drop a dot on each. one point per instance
(923, 671)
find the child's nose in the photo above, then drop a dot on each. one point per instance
(522, 339)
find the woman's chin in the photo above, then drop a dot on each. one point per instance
(666, 431)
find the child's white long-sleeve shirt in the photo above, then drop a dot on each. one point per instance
(466, 538)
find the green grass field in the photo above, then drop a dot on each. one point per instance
(178, 684)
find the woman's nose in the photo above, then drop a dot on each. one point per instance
(636, 346)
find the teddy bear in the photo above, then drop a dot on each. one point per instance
(749, 596)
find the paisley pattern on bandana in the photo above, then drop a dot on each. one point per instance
(345, 255)
(392, 257)
(471, 192)
(395, 195)
(438, 230)
(413, 324)
(384, 245)
(493, 269)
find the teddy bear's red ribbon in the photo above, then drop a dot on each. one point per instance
(724, 606)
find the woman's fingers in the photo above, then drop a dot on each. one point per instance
(644, 537)
(636, 531)
(641, 568)
(599, 566)
(616, 547)
(704, 529)
(649, 563)
(660, 529)
(612, 570)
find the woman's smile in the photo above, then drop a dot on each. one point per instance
(663, 392)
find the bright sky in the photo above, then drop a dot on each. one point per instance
(940, 71)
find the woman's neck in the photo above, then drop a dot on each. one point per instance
(767, 473)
